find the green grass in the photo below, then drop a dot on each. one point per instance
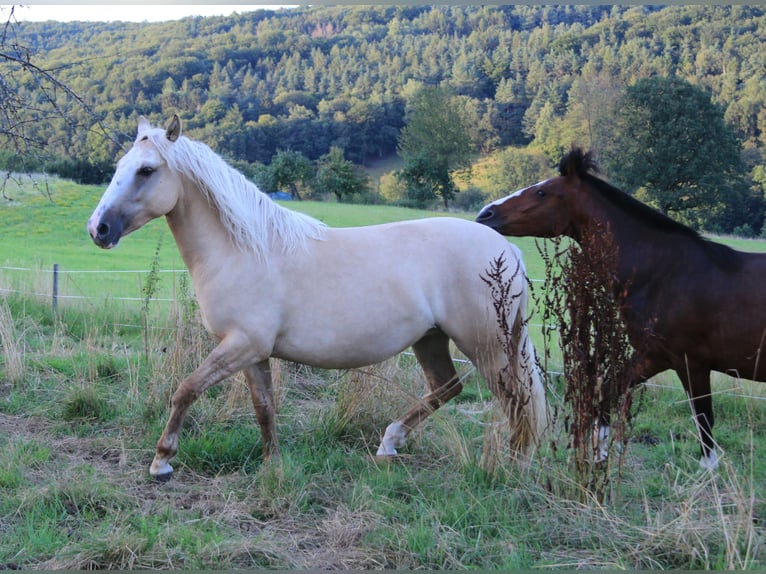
(79, 425)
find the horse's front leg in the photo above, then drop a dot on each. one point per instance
(601, 439)
(639, 369)
(231, 355)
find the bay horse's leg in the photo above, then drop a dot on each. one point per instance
(696, 382)
(231, 355)
(639, 369)
(601, 438)
(432, 352)
(258, 379)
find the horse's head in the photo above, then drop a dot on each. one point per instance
(143, 187)
(545, 209)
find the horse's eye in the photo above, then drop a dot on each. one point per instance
(540, 192)
(146, 171)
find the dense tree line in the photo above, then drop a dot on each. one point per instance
(312, 79)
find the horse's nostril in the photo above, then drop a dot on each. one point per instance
(485, 214)
(103, 229)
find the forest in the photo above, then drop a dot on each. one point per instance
(528, 80)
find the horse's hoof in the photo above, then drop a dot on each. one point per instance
(164, 477)
(600, 456)
(160, 470)
(711, 461)
(387, 458)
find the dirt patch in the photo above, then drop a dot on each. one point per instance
(26, 427)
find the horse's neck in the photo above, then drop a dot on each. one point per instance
(199, 233)
(630, 237)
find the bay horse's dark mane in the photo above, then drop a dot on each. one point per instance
(582, 165)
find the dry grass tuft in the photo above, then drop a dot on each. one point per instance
(706, 521)
(12, 344)
(368, 399)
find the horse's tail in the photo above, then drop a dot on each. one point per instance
(510, 367)
(523, 389)
(531, 418)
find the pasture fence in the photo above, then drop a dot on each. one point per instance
(56, 272)
(89, 287)
(34, 285)
(31, 282)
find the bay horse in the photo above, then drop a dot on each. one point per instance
(271, 282)
(690, 304)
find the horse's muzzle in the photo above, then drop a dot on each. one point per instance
(487, 216)
(105, 234)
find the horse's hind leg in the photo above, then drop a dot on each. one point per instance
(697, 385)
(258, 379)
(432, 352)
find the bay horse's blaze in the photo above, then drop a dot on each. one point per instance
(271, 282)
(692, 305)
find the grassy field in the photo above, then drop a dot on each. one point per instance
(83, 399)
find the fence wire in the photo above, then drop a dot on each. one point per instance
(72, 272)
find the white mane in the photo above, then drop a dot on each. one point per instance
(252, 218)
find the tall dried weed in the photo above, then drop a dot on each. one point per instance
(513, 386)
(580, 299)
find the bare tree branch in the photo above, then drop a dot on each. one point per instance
(52, 97)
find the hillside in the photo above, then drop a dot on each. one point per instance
(311, 77)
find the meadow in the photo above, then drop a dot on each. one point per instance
(84, 395)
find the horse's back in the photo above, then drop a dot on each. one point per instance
(465, 258)
(447, 243)
(449, 237)
(441, 260)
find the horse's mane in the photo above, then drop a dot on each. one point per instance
(583, 166)
(251, 216)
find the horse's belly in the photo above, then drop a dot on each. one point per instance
(346, 334)
(741, 358)
(355, 347)
(721, 341)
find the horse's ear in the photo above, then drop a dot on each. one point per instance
(143, 124)
(173, 131)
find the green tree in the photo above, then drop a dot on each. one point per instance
(33, 94)
(674, 148)
(391, 188)
(328, 76)
(288, 169)
(434, 142)
(548, 134)
(338, 176)
(593, 101)
(516, 168)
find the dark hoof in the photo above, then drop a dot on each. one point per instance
(165, 477)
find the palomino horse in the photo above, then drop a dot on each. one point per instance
(690, 304)
(271, 282)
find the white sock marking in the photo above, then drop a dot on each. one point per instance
(710, 462)
(394, 437)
